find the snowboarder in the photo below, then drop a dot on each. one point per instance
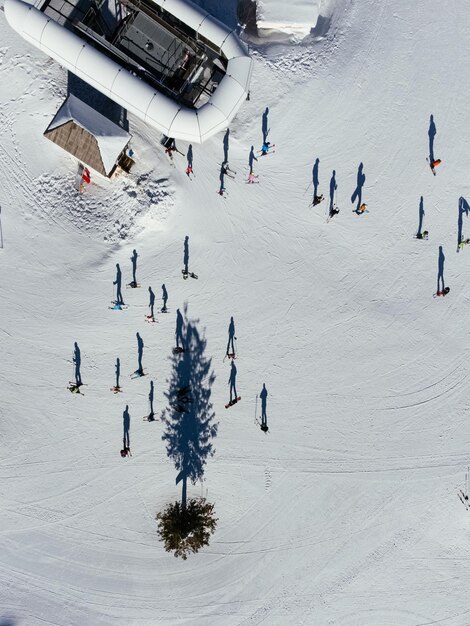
(433, 164)
(117, 282)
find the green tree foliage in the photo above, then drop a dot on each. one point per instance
(186, 530)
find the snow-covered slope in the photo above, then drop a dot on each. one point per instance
(346, 512)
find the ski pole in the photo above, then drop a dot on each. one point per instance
(1, 230)
(256, 409)
(307, 188)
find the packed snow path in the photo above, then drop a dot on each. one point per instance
(346, 512)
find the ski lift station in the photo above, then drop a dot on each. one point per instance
(166, 61)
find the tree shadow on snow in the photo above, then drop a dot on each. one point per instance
(189, 419)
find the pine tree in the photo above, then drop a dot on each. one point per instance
(190, 428)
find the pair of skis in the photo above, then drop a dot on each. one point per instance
(186, 274)
(75, 388)
(118, 306)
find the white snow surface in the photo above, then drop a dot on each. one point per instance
(346, 513)
(111, 138)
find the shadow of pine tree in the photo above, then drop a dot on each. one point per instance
(190, 428)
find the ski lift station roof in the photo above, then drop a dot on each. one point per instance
(89, 136)
(167, 61)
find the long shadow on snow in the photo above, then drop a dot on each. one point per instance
(189, 418)
(464, 208)
(431, 134)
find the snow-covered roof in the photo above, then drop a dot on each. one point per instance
(110, 138)
(295, 17)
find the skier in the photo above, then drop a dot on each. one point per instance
(134, 268)
(333, 211)
(361, 209)
(463, 243)
(252, 178)
(164, 298)
(423, 235)
(117, 282)
(170, 147)
(317, 200)
(266, 147)
(151, 303)
(226, 171)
